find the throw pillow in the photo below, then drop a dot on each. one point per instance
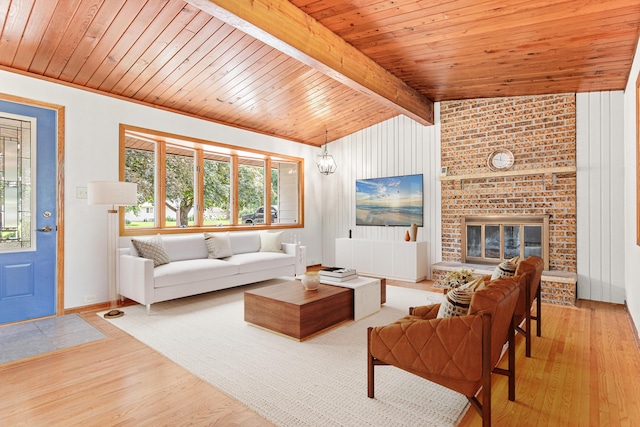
(218, 245)
(506, 268)
(457, 300)
(271, 242)
(152, 249)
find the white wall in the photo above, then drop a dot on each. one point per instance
(631, 249)
(600, 196)
(91, 153)
(399, 146)
(396, 147)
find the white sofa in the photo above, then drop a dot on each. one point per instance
(191, 272)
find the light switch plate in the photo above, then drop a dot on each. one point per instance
(81, 192)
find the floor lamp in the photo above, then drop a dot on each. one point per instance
(115, 194)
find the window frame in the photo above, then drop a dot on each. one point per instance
(200, 146)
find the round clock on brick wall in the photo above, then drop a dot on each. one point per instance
(500, 160)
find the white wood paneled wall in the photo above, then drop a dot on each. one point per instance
(600, 196)
(398, 146)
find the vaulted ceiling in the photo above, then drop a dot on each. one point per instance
(295, 68)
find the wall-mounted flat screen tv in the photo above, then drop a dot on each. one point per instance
(391, 201)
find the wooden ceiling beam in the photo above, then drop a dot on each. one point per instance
(288, 29)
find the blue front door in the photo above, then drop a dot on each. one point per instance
(28, 183)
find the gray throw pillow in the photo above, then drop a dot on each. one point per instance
(218, 245)
(152, 249)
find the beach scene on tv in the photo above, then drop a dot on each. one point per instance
(391, 201)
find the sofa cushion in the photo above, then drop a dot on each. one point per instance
(244, 242)
(194, 270)
(218, 245)
(271, 242)
(152, 248)
(185, 246)
(256, 261)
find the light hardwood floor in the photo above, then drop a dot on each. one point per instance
(585, 370)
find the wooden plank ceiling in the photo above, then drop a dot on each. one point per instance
(186, 57)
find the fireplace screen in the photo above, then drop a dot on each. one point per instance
(492, 239)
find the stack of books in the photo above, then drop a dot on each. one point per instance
(338, 274)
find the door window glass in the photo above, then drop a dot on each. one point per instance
(16, 164)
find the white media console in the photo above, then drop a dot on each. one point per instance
(391, 259)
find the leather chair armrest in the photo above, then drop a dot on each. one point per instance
(425, 311)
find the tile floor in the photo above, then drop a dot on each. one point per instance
(45, 335)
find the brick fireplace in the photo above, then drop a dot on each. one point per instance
(541, 133)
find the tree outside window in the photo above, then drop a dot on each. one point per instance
(217, 190)
(179, 185)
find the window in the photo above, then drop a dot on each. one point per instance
(286, 192)
(492, 239)
(179, 185)
(184, 183)
(251, 191)
(217, 190)
(17, 172)
(139, 167)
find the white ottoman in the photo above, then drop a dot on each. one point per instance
(366, 294)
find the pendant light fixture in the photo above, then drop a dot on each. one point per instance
(326, 164)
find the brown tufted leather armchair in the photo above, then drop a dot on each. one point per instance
(531, 267)
(457, 352)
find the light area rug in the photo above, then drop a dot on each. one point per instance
(318, 382)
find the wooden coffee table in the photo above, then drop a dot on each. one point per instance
(287, 308)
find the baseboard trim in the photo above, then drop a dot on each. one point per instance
(636, 337)
(98, 307)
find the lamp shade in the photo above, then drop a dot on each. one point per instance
(116, 193)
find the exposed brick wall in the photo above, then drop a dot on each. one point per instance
(559, 293)
(438, 276)
(541, 133)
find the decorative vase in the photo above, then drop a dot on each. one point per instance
(406, 236)
(414, 232)
(311, 280)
